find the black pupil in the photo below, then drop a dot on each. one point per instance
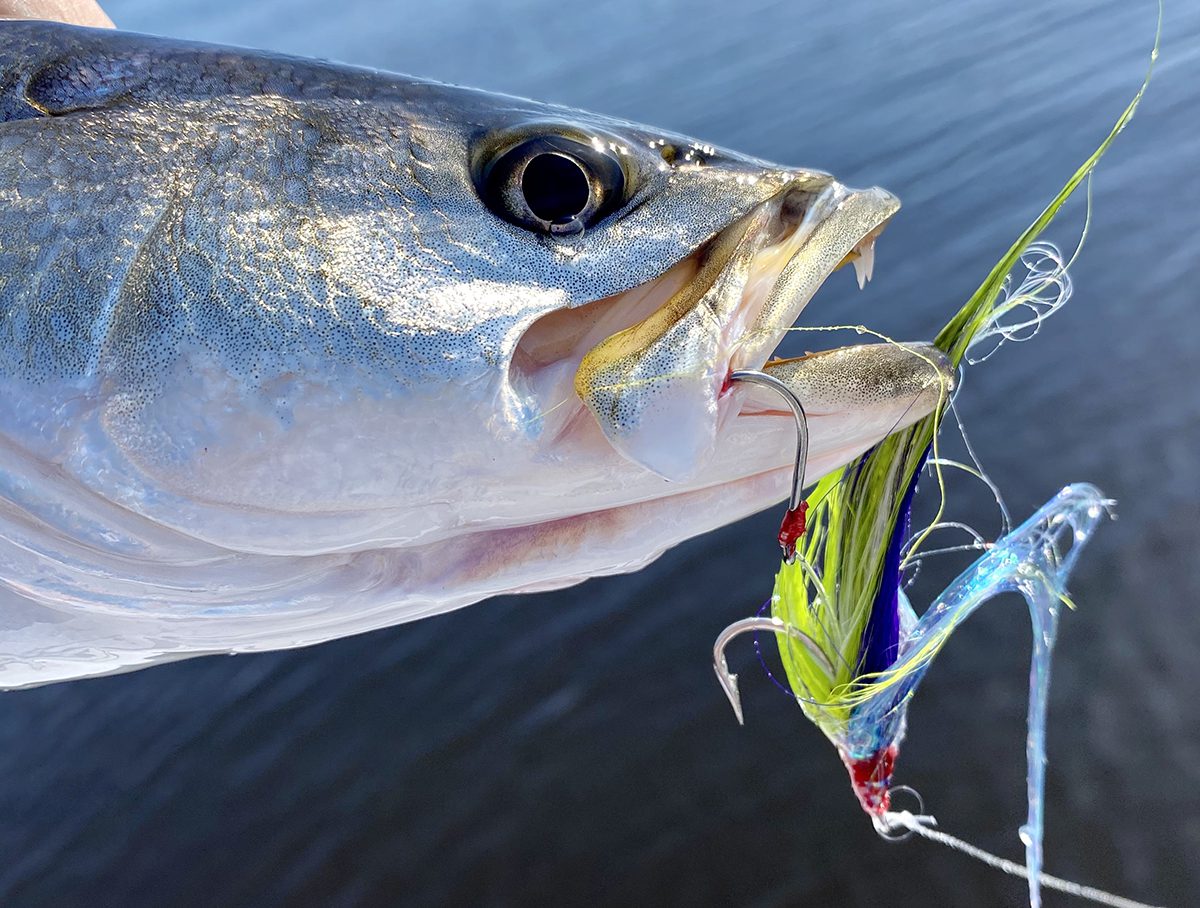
(556, 188)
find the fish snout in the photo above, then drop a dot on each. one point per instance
(658, 389)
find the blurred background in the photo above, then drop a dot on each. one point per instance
(574, 747)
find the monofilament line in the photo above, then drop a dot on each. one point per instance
(915, 824)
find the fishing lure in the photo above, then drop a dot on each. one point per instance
(853, 648)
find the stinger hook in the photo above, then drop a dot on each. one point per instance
(729, 681)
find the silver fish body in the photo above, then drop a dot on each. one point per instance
(291, 350)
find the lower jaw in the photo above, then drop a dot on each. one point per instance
(236, 602)
(322, 598)
(625, 537)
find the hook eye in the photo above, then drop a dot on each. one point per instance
(894, 832)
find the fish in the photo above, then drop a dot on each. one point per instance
(292, 350)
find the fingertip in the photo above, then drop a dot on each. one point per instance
(74, 12)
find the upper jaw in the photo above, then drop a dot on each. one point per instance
(657, 388)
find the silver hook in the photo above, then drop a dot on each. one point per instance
(797, 408)
(729, 681)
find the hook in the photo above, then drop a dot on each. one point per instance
(769, 381)
(793, 526)
(729, 681)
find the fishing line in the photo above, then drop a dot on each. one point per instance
(1029, 293)
(921, 825)
(913, 561)
(1005, 516)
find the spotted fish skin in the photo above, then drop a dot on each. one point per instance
(261, 382)
(276, 209)
(183, 222)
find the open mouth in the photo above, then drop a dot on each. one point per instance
(651, 365)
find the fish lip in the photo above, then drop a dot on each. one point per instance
(810, 374)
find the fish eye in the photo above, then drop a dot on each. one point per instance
(552, 184)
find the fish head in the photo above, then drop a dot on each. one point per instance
(655, 265)
(694, 265)
(337, 348)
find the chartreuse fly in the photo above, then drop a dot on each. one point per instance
(853, 648)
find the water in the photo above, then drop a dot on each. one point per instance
(574, 748)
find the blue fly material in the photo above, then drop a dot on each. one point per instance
(881, 639)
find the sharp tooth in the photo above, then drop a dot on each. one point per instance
(864, 264)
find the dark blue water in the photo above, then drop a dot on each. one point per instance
(574, 748)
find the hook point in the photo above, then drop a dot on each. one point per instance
(729, 684)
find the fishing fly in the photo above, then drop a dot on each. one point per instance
(853, 648)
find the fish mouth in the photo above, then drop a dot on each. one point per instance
(652, 365)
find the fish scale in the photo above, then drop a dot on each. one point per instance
(277, 368)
